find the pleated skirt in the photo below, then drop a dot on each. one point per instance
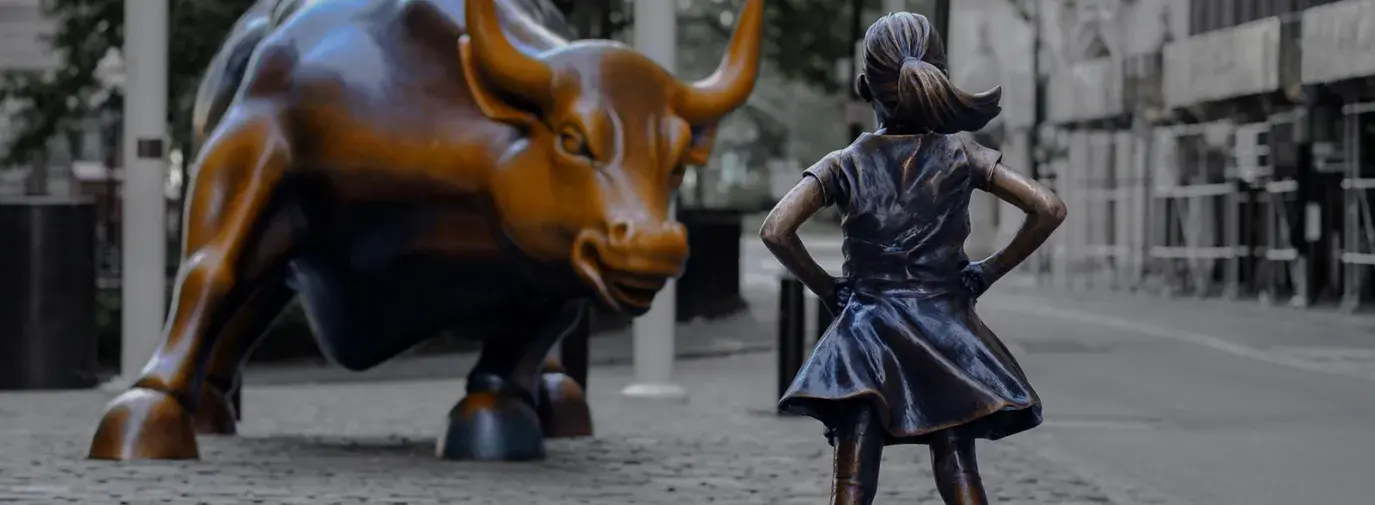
(925, 363)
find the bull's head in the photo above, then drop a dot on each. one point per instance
(607, 132)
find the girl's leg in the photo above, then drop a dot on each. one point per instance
(957, 471)
(858, 451)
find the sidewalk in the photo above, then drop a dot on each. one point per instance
(373, 443)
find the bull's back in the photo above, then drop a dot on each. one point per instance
(330, 23)
(227, 68)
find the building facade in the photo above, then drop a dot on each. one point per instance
(1205, 147)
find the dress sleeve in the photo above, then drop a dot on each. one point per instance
(982, 163)
(829, 171)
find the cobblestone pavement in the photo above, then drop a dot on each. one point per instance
(373, 443)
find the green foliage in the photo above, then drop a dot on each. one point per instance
(87, 30)
(806, 38)
(803, 39)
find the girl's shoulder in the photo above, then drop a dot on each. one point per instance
(982, 161)
(931, 151)
(868, 142)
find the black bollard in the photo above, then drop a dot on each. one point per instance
(792, 318)
(824, 318)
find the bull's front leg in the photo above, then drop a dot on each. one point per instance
(563, 408)
(236, 339)
(500, 417)
(228, 255)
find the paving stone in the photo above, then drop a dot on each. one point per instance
(374, 443)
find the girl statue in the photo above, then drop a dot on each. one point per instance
(907, 361)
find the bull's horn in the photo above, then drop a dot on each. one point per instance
(729, 87)
(506, 66)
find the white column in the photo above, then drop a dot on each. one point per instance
(144, 252)
(656, 36)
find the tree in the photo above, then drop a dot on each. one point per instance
(86, 32)
(803, 38)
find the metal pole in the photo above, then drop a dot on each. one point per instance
(656, 36)
(942, 20)
(792, 323)
(823, 319)
(1039, 90)
(144, 250)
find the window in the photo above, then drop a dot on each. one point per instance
(1209, 15)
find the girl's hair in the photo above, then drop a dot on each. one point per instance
(904, 76)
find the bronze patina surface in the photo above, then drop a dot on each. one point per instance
(410, 166)
(908, 360)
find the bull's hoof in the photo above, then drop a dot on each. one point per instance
(144, 424)
(490, 425)
(563, 408)
(214, 415)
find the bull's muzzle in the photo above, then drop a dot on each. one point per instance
(628, 263)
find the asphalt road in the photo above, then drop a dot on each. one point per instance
(1188, 401)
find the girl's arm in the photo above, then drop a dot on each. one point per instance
(779, 234)
(1044, 213)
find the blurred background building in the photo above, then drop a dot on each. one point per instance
(1205, 147)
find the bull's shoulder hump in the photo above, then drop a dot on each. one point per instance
(536, 24)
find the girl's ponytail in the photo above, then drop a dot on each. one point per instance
(904, 75)
(926, 97)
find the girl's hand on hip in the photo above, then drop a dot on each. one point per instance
(839, 296)
(976, 278)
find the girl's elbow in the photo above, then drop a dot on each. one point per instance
(1057, 212)
(769, 233)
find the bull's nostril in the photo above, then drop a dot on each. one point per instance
(588, 252)
(588, 263)
(620, 232)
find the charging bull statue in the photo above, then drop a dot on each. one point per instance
(411, 166)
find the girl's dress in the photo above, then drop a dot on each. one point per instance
(907, 339)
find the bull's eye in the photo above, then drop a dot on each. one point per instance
(573, 142)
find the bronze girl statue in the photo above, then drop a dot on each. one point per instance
(907, 361)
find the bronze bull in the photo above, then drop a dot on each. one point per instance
(411, 166)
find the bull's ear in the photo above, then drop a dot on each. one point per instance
(699, 148)
(487, 97)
